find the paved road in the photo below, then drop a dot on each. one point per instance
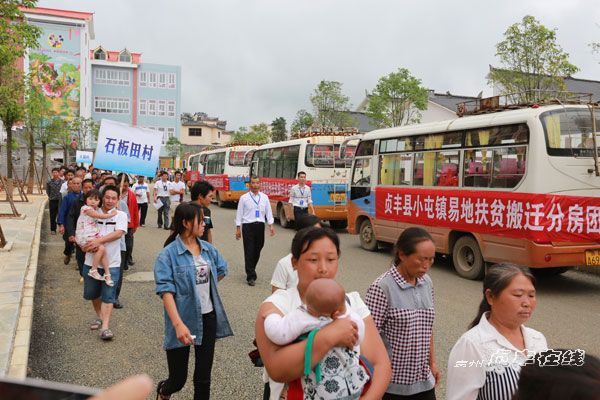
(63, 348)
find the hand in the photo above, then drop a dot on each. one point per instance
(343, 332)
(238, 234)
(436, 373)
(61, 229)
(71, 238)
(183, 334)
(133, 388)
(91, 246)
(272, 229)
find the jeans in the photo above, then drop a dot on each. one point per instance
(80, 257)
(129, 245)
(53, 206)
(163, 212)
(121, 269)
(253, 236)
(178, 359)
(143, 212)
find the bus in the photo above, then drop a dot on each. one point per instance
(327, 171)
(517, 186)
(192, 174)
(227, 170)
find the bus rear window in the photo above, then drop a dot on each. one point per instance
(328, 155)
(569, 132)
(237, 158)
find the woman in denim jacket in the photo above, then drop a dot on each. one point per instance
(186, 274)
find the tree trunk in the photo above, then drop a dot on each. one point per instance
(44, 163)
(65, 156)
(9, 166)
(31, 176)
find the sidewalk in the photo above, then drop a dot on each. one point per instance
(18, 268)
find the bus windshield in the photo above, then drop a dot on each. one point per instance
(324, 155)
(569, 132)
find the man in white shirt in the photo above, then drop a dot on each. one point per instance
(252, 211)
(177, 190)
(301, 197)
(162, 193)
(111, 229)
(64, 189)
(142, 196)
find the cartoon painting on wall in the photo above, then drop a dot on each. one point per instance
(55, 67)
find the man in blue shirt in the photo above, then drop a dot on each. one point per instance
(65, 206)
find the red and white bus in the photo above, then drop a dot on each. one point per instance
(514, 186)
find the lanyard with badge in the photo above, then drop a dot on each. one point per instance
(302, 196)
(257, 212)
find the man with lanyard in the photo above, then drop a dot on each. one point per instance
(252, 211)
(161, 192)
(202, 193)
(111, 230)
(142, 196)
(301, 197)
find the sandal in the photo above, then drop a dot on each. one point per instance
(96, 324)
(94, 274)
(159, 395)
(107, 335)
(108, 280)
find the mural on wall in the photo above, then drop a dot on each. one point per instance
(55, 67)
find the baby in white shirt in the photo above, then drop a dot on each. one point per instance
(325, 301)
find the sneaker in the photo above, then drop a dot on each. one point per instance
(251, 282)
(67, 259)
(94, 274)
(108, 280)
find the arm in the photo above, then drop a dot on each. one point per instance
(433, 364)
(238, 219)
(183, 333)
(282, 330)
(269, 214)
(221, 264)
(99, 215)
(71, 221)
(286, 363)
(311, 209)
(374, 350)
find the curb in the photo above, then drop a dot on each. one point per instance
(17, 367)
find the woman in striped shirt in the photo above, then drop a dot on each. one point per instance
(485, 362)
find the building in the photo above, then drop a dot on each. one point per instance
(200, 130)
(125, 89)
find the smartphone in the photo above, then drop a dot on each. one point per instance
(37, 389)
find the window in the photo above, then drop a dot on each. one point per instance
(215, 163)
(281, 162)
(195, 131)
(248, 158)
(365, 148)
(125, 56)
(497, 135)
(143, 79)
(219, 135)
(569, 132)
(99, 55)
(476, 170)
(362, 172)
(170, 132)
(162, 80)
(394, 169)
(152, 107)
(237, 158)
(436, 168)
(395, 145)
(152, 79)
(172, 80)
(161, 108)
(438, 141)
(164, 134)
(143, 105)
(106, 76)
(171, 108)
(508, 166)
(111, 105)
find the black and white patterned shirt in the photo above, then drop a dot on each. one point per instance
(53, 189)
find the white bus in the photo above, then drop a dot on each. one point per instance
(513, 186)
(277, 165)
(227, 170)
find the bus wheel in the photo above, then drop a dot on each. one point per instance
(467, 258)
(367, 236)
(220, 202)
(283, 221)
(338, 224)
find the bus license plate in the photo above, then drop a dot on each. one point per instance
(592, 257)
(337, 197)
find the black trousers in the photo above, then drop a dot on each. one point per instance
(254, 239)
(178, 360)
(143, 212)
(121, 269)
(428, 395)
(80, 257)
(299, 212)
(53, 206)
(129, 245)
(69, 246)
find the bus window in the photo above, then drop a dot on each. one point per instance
(394, 169)
(438, 141)
(215, 164)
(248, 158)
(436, 168)
(396, 144)
(498, 135)
(290, 162)
(237, 158)
(477, 171)
(569, 132)
(508, 166)
(365, 148)
(362, 172)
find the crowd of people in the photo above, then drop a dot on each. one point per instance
(314, 339)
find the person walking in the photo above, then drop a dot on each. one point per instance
(142, 196)
(65, 206)
(253, 210)
(187, 272)
(54, 196)
(161, 192)
(202, 193)
(129, 197)
(401, 303)
(71, 224)
(111, 230)
(301, 197)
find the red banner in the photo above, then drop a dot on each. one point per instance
(542, 218)
(193, 176)
(220, 182)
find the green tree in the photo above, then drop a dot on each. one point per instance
(331, 106)
(35, 110)
(16, 36)
(397, 100)
(278, 130)
(532, 61)
(174, 148)
(60, 133)
(84, 130)
(256, 135)
(302, 121)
